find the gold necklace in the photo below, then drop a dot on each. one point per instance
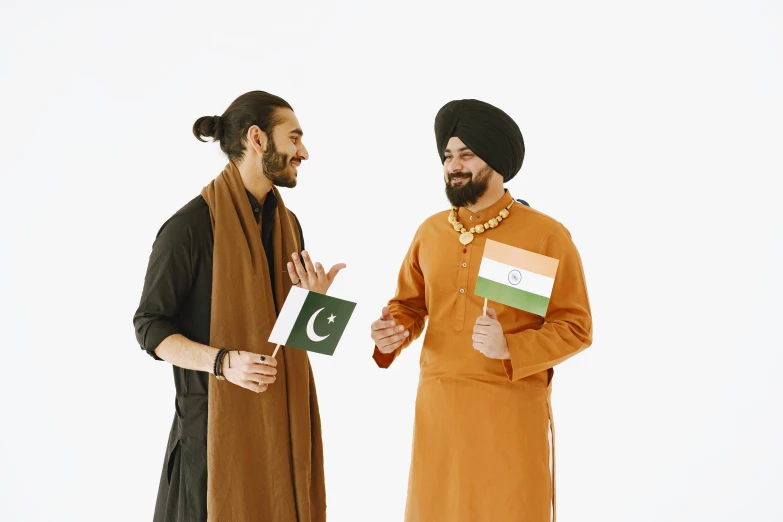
(466, 236)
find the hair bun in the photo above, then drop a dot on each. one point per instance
(208, 127)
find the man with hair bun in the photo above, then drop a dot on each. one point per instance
(245, 444)
(481, 431)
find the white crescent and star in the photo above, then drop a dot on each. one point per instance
(311, 330)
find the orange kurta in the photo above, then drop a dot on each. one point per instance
(481, 431)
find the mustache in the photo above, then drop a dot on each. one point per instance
(453, 175)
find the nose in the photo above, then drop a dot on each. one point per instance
(301, 152)
(455, 165)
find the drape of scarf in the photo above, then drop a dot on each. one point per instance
(264, 450)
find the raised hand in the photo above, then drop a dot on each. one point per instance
(309, 276)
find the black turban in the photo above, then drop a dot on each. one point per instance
(486, 130)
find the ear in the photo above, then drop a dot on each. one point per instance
(257, 139)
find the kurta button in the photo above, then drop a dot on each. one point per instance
(464, 265)
(461, 290)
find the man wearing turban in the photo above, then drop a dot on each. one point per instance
(483, 416)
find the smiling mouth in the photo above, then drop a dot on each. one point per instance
(459, 179)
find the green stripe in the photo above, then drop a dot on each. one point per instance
(514, 297)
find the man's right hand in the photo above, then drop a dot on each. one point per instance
(386, 334)
(248, 371)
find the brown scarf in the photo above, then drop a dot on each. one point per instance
(264, 452)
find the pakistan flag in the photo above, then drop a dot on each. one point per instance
(311, 321)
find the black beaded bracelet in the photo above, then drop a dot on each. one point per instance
(220, 364)
(217, 368)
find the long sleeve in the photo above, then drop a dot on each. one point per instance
(567, 328)
(408, 307)
(167, 284)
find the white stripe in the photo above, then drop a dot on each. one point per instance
(529, 282)
(288, 315)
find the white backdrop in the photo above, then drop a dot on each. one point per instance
(653, 132)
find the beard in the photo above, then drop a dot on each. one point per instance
(276, 167)
(469, 192)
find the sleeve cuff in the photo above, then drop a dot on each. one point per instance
(384, 360)
(156, 333)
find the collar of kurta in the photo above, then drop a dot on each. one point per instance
(471, 219)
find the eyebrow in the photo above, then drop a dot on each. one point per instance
(297, 131)
(458, 150)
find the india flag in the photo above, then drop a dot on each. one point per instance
(516, 277)
(311, 321)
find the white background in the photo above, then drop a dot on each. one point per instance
(653, 132)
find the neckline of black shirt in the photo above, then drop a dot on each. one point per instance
(267, 209)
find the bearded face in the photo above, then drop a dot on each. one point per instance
(464, 189)
(279, 167)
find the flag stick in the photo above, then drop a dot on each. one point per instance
(485, 306)
(276, 349)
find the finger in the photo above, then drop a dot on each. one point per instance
(254, 386)
(391, 339)
(380, 338)
(389, 348)
(386, 314)
(388, 332)
(300, 269)
(380, 324)
(260, 379)
(319, 272)
(492, 314)
(483, 330)
(292, 272)
(485, 320)
(395, 339)
(308, 263)
(333, 271)
(261, 359)
(261, 369)
(480, 339)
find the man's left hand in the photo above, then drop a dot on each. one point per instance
(488, 336)
(309, 276)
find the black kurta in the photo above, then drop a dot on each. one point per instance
(177, 299)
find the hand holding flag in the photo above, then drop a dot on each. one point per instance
(488, 337)
(248, 370)
(513, 277)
